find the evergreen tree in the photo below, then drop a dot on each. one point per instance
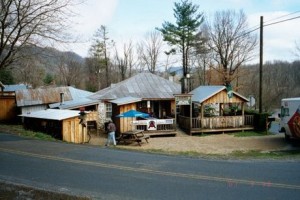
(6, 77)
(183, 34)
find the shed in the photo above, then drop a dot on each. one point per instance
(216, 109)
(8, 111)
(61, 124)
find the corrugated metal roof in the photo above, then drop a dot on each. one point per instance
(72, 97)
(52, 114)
(143, 85)
(202, 93)
(78, 94)
(13, 88)
(39, 96)
(79, 99)
(81, 102)
(125, 100)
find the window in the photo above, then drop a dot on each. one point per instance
(284, 112)
(108, 110)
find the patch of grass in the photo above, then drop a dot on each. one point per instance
(250, 133)
(19, 130)
(287, 154)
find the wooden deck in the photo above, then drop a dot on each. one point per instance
(160, 133)
(222, 130)
(216, 124)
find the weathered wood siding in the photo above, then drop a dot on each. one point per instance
(222, 122)
(124, 123)
(73, 131)
(222, 97)
(7, 108)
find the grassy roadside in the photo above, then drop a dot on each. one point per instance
(287, 154)
(241, 155)
(19, 130)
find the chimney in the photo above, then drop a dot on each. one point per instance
(62, 98)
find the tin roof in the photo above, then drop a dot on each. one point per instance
(40, 96)
(73, 97)
(13, 88)
(125, 100)
(143, 85)
(79, 99)
(52, 114)
(202, 93)
(81, 102)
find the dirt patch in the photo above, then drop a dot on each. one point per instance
(212, 144)
(18, 191)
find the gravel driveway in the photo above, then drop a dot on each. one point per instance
(212, 144)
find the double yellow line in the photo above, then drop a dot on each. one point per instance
(230, 182)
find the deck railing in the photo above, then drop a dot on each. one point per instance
(215, 122)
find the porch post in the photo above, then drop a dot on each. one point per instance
(191, 117)
(243, 115)
(202, 115)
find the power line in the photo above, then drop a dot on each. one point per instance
(282, 21)
(282, 16)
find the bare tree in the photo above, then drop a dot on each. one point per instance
(297, 50)
(125, 62)
(30, 22)
(29, 71)
(69, 71)
(149, 50)
(231, 42)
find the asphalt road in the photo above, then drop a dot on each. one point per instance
(109, 173)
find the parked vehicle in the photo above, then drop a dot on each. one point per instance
(290, 118)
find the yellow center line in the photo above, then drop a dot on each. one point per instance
(228, 181)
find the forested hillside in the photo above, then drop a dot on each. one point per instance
(48, 66)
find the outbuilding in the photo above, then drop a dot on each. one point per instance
(65, 125)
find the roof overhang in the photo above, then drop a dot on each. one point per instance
(125, 100)
(52, 114)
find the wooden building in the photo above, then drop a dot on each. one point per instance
(8, 106)
(144, 92)
(61, 124)
(216, 110)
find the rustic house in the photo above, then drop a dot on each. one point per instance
(64, 98)
(216, 110)
(145, 92)
(8, 111)
(62, 124)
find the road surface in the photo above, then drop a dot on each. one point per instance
(109, 173)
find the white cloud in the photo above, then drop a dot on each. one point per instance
(90, 16)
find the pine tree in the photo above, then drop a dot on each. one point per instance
(183, 34)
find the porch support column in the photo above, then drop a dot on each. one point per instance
(191, 117)
(202, 115)
(243, 115)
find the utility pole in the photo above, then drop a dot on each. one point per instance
(260, 63)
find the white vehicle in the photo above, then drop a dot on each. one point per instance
(290, 118)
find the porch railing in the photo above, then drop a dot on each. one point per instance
(215, 122)
(160, 127)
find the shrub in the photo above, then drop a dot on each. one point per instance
(260, 121)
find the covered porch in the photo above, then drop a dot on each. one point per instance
(213, 109)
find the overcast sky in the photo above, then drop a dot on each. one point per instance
(132, 19)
